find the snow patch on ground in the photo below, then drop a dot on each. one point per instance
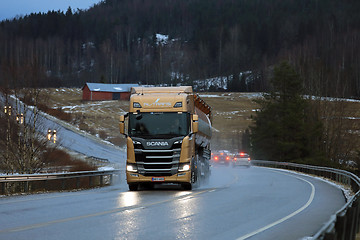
(161, 39)
(106, 168)
(331, 99)
(248, 95)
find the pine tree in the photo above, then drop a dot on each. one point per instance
(283, 128)
(245, 140)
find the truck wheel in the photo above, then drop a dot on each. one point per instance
(147, 186)
(133, 187)
(187, 186)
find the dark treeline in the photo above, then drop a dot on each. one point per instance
(115, 42)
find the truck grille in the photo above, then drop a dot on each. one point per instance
(157, 162)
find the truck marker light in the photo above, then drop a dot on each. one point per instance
(136, 105)
(178, 142)
(178, 105)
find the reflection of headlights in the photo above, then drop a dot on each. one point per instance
(131, 168)
(184, 167)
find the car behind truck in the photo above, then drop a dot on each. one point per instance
(168, 137)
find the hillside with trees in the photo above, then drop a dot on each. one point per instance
(117, 41)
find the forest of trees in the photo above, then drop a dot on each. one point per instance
(289, 126)
(115, 42)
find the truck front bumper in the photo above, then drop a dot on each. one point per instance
(181, 177)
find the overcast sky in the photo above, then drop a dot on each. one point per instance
(11, 8)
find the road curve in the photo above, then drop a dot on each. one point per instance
(84, 143)
(236, 203)
(70, 137)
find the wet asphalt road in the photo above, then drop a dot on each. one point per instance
(236, 203)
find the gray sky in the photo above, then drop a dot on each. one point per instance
(11, 8)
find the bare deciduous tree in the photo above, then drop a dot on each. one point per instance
(22, 140)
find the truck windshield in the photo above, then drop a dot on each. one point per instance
(159, 124)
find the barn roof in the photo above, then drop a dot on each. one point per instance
(103, 87)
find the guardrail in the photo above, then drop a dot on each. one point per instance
(10, 184)
(344, 224)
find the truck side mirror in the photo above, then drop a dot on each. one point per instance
(195, 124)
(122, 124)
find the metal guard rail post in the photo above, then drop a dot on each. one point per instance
(10, 184)
(344, 224)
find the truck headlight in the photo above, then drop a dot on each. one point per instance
(184, 167)
(131, 168)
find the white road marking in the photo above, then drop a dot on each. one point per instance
(311, 198)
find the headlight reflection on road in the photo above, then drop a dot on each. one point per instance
(183, 211)
(127, 199)
(182, 193)
(158, 211)
(127, 223)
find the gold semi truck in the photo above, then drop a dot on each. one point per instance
(168, 137)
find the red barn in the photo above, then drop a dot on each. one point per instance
(102, 91)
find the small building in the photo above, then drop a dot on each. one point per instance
(103, 91)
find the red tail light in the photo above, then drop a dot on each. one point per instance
(216, 158)
(242, 154)
(228, 158)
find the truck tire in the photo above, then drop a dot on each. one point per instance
(187, 186)
(133, 186)
(147, 186)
